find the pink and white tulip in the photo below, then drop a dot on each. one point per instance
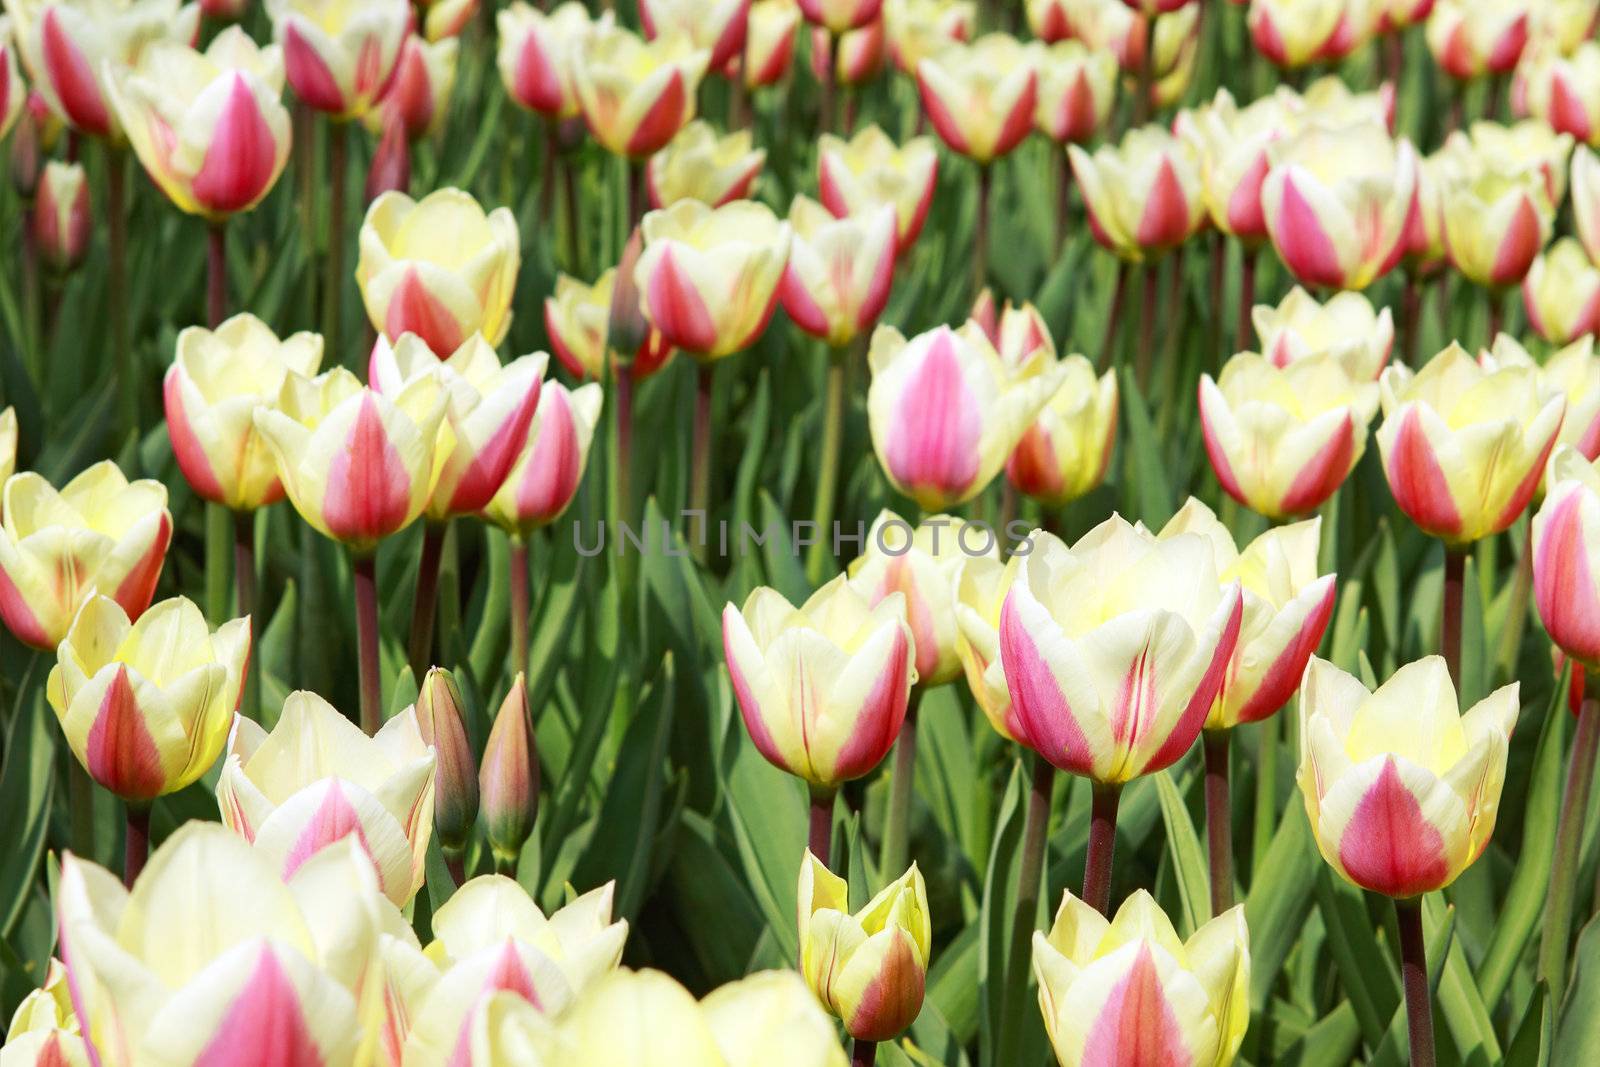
(837, 280)
(769, 45)
(1561, 293)
(1291, 35)
(1346, 325)
(550, 467)
(535, 55)
(61, 219)
(1064, 454)
(635, 94)
(1566, 535)
(1574, 373)
(699, 164)
(1144, 195)
(1472, 38)
(919, 28)
(718, 26)
(578, 319)
(837, 16)
(1075, 92)
(339, 57)
(869, 169)
(980, 97)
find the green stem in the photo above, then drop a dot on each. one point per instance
(902, 779)
(1516, 618)
(828, 473)
(216, 273)
(1553, 944)
(1455, 567)
(700, 481)
(365, 571)
(219, 535)
(1266, 805)
(863, 1053)
(32, 296)
(1414, 973)
(419, 647)
(1030, 868)
(519, 605)
(244, 583)
(980, 238)
(80, 803)
(1147, 327)
(1219, 820)
(117, 287)
(334, 280)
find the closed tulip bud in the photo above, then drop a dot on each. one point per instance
(439, 267)
(419, 93)
(31, 129)
(217, 382)
(44, 1030)
(1561, 293)
(980, 97)
(508, 778)
(1281, 440)
(1336, 202)
(535, 56)
(73, 47)
(1586, 200)
(708, 278)
(1564, 90)
(839, 273)
(822, 687)
(316, 779)
(869, 968)
(61, 216)
(921, 565)
(13, 93)
(981, 585)
(550, 467)
(987, 316)
(700, 165)
(919, 28)
(578, 320)
(635, 94)
(837, 16)
(1495, 222)
(1401, 788)
(1463, 446)
(1287, 607)
(99, 533)
(455, 780)
(146, 705)
(357, 465)
(1143, 195)
(208, 127)
(1346, 326)
(945, 411)
(447, 18)
(631, 340)
(1233, 143)
(1115, 649)
(488, 410)
(8, 443)
(1103, 984)
(1472, 38)
(1292, 35)
(857, 56)
(1565, 534)
(869, 169)
(1573, 372)
(718, 26)
(769, 45)
(1065, 453)
(390, 169)
(1075, 93)
(1022, 339)
(339, 58)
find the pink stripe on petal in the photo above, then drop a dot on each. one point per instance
(750, 709)
(1563, 582)
(186, 447)
(891, 1001)
(1268, 41)
(414, 309)
(495, 458)
(1322, 475)
(508, 974)
(1283, 677)
(1508, 49)
(1183, 735)
(72, 78)
(242, 156)
(1388, 846)
(555, 468)
(877, 294)
(119, 752)
(1075, 118)
(137, 589)
(933, 441)
(1245, 215)
(265, 1026)
(334, 820)
(1525, 489)
(1219, 457)
(369, 489)
(1048, 724)
(20, 618)
(911, 228)
(1165, 220)
(944, 121)
(536, 82)
(662, 122)
(308, 74)
(879, 720)
(1418, 483)
(1033, 466)
(1019, 121)
(1567, 112)
(1305, 246)
(676, 307)
(1136, 1026)
(1519, 245)
(802, 308)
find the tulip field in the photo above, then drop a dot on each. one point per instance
(799, 533)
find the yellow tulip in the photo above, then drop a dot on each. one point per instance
(340, 55)
(1471, 38)
(769, 42)
(1075, 91)
(1561, 293)
(1131, 991)
(980, 97)
(1401, 788)
(535, 55)
(857, 175)
(837, 280)
(1065, 453)
(549, 469)
(868, 968)
(1562, 89)
(1143, 195)
(918, 28)
(1291, 34)
(316, 778)
(717, 26)
(698, 164)
(636, 94)
(1495, 219)
(1347, 327)
(1233, 144)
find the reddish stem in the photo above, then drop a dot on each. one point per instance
(1102, 844)
(136, 847)
(365, 570)
(1219, 820)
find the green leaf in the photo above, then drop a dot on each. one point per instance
(1531, 1045)
(1365, 971)
(1459, 1003)
(26, 783)
(1152, 495)
(1276, 906)
(997, 910)
(1188, 857)
(1578, 1034)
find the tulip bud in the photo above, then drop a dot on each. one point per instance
(549, 469)
(1100, 982)
(1076, 91)
(867, 170)
(1173, 51)
(919, 28)
(1292, 35)
(1143, 196)
(837, 281)
(869, 968)
(1400, 787)
(700, 165)
(1347, 327)
(636, 94)
(44, 1030)
(769, 46)
(1565, 534)
(61, 216)
(1065, 452)
(1471, 38)
(508, 779)
(837, 16)
(419, 93)
(718, 26)
(536, 55)
(980, 97)
(628, 336)
(1561, 293)
(30, 129)
(455, 780)
(339, 59)
(13, 93)
(390, 169)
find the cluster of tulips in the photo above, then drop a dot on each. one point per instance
(288, 934)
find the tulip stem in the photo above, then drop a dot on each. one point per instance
(136, 844)
(1411, 318)
(1119, 296)
(821, 835)
(824, 82)
(333, 292)
(1553, 944)
(863, 1053)
(419, 649)
(1455, 569)
(980, 236)
(1497, 314)
(897, 821)
(455, 860)
(828, 471)
(1247, 297)
(117, 286)
(700, 471)
(1030, 867)
(1414, 973)
(1219, 819)
(216, 273)
(519, 604)
(244, 584)
(1147, 327)
(32, 297)
(1102, 843)
(365, 570)
(80, 803)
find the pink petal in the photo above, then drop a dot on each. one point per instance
(676, 307)
(944, 121)
(137, 589)
(1518, 247)
(1283, 677)
(72, 78)
(1183, 735)
(186, 447)
(496, 457)
(1418, 483)
(243, 155)
(120, 754)
(556, 466)
(1305, 246)
(308, 74)
(265, 1026)
(1563, 582)
(1136, 1026)
(413, 309)
(369, 488)
(662, 121)
(1388, 846)
(933, 442)
(1321, 477)
(878, 724)
(1048, 724)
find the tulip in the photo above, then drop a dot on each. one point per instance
(446, 19)
(339, 58)
(837, 16)
(549, 469)
(1143, 195)
(61, 216)
(1076, 89)
(869, 169)
(210, 956)
(1564, 90)
(44, 1029)
(980, 97)
(1346, 326)
(857, 59)
(945, 412)
(1233, 152)
(1471, 38)
(98, 533)
(837, 280)
(919, 28)
(1336, 202)
(708, 279)
(1397, 15)
(491, 940)
(440, 721)
(981, 585)
(869, 968)
(769, 44)
(635, 95)
(207, 126)
(1019, 334)
(217, 382)
(1329, 101)
(1065, 453)
(72, 47)
(418, 96)
(1464, 447)
(1052, 20)
(1564, 571)
(316, 778)
(1586, 200)
(717, 26)
(535, 56)
(1172, 51)
(508, 778)
(1281, 440)
(700, 165)
(1292, 35)
(1422, 244)
(1495, 222)
(13, 93)
(146, 705)
(1400, 787)
(438, 267)
(822, 688)
(577, 318)
(1573, 372)
(1103, 985)
(1561, 293)
(1521, 147)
